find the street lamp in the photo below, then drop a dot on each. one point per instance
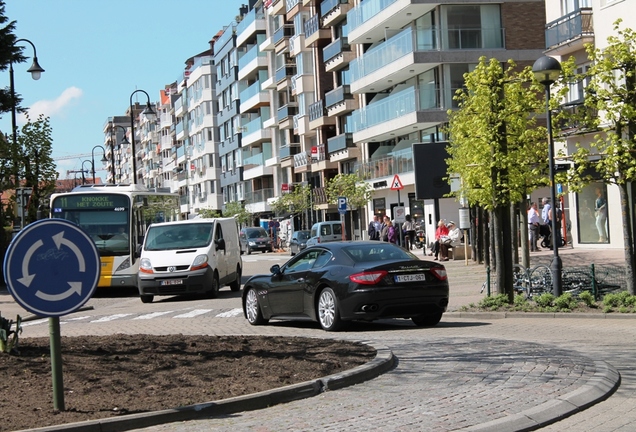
(112, 147)
(546, 70)
(86, 171)
(148, 112)
(104, 160)
(36, 72)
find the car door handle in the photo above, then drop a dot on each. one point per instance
(300, 280)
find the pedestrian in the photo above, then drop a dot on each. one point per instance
(392, 233)
(545, 211)
(533, 226)
(377, 221)
(409, 232)
(371, 230)
(440, 248)
(600, 213)
(384, 230)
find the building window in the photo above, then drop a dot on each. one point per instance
(591, 203)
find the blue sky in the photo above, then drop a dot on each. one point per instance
(95, 53)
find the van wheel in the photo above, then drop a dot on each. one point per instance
(236, 285)
(214, 292)
(145, 298)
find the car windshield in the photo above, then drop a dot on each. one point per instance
(178, 236)
(256, 233)
(377, 252)
(302, 235)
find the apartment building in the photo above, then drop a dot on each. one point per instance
(571, 24)
(116, 143)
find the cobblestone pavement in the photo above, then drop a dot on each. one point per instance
(462, 374)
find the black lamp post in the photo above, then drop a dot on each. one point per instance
(547, 70)
(87, 171)
(36, 72)
(148, 111)
(112, 147)
(104, 160)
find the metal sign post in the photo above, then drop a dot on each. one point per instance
(342, 209)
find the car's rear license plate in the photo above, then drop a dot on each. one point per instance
(419, 277)
(172, 282)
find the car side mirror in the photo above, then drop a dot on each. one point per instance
(275, 269)
(220, 244)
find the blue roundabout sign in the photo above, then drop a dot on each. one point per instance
(51, 267)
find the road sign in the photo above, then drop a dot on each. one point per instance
(396, 184)
(342, 205)
(399, 214)
(51, 267)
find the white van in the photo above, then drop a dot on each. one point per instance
(190, 256)
(323, 232)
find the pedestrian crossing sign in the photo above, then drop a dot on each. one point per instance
(396, 184)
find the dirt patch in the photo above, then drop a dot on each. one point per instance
(109, 376)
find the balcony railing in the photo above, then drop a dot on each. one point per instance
(340, 142)
(317, 110)
(284, 72)
(256, 160)
(388, 52)
(286, 31)
(365, 11)
(253, 126)
(290, 4)
(389, 108)
(288, 150)
(399, 162)
(248, 19)
(328, 5)
(258, 196)
(335, 48)
(286, 111)
(251, 91)
(249, 56)
(312, 25)
(337, 95)
(576, 24)
(301, 160)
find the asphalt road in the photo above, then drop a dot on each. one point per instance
(466, 372)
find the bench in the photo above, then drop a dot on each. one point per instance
(457, 252)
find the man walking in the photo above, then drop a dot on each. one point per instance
(533, 226)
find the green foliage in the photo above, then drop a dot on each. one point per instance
(566, 302)
(495, 145)
(237, 209)
(357, 191)
(297, 200)
(8, 336)
(494, 302)
(587, 298)
(545, 300)
(9, 52)
(209, 213)
(619, 300)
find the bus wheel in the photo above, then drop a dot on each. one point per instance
(146, 298)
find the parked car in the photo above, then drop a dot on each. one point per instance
(337, 282)
(255, 239)
(323, 232)
(190, 256)
(298, 241)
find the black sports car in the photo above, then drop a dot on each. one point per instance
(336, 282)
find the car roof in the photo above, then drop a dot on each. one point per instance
(190, 221)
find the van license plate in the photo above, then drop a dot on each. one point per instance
(411, 278)
(172, 282)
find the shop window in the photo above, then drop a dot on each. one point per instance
(592, 214)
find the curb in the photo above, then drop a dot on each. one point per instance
(503, 315)
(383, 361)
(601, 386)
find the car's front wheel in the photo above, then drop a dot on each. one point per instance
(427, 320)
(252, 308)
(328, 313)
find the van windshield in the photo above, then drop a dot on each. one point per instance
(179, 236)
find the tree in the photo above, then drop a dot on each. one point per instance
(296, 202)
(237, 209)
(9, 53)
(496, 148)
(611, 154)
(36, 167)
(355, 189)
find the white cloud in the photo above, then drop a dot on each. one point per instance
(56, 107)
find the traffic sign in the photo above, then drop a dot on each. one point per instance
(342, 205)
(51, 267)
(396, 184)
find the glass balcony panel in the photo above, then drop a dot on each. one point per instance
(312, 25)
(339, 142)
(251, 91)
(248, 19)
(473, 38)
(389, 108)
(337, 95)
(568, 27)
(253, 126)
(316, 110)
(250, 56)
(335, 48)
(328, 5)
(365, 11)
(289, 150)
(388, 52)
(400, 162)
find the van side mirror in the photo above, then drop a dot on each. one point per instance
(220, 244)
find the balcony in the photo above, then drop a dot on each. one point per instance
(369, 21)
(340, 142)
(254, 167)
(251, 62)
(253, 21)
(334, 11)
(258, 196)
(283, 76)
(313, 32)
(253, 97)
(292, 7)
(288, 151)
(340, 101)
(337, 55)
(285, 116)
(318, 116)
(400, 162)
(301, 162)
(302, 83)
(570, 33)
(253, 132)
(319, 197)
(301, 124)
(282, 36)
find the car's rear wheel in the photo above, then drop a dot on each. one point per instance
(328, 313)
(427, 320)
(146, 298)
(236, 285)
(252, 308)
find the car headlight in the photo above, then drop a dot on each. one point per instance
(251, 242)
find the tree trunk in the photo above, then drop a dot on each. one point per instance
(628, 239)
(523, 228)
(501, 230)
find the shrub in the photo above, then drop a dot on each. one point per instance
(545, 300)
(565, 302)
(494, 302)
(587, 298)
(8, 337)
(612, 300)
